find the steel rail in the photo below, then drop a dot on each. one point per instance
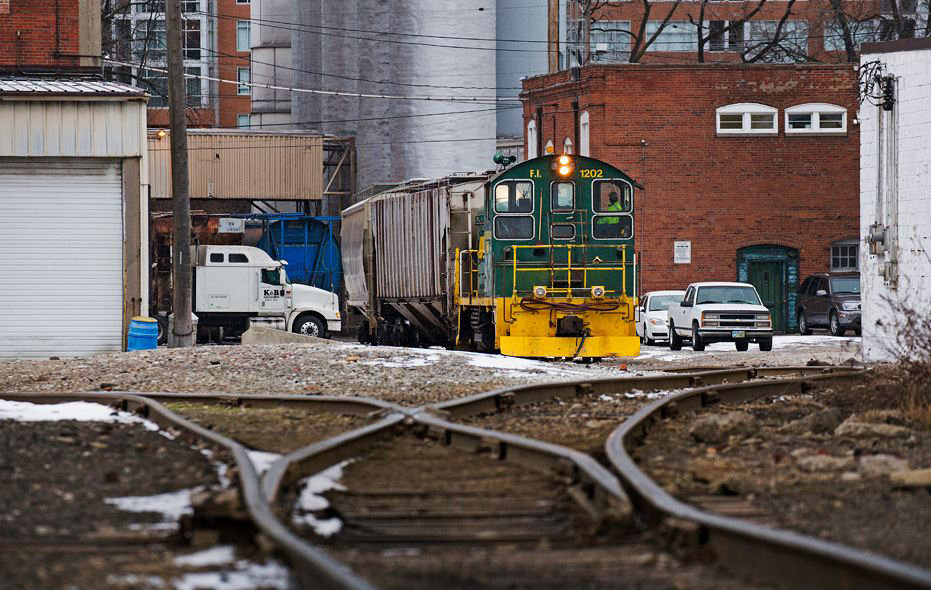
(504, 398)
(790, 559)
(314, 568)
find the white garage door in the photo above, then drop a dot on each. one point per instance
(61, 257)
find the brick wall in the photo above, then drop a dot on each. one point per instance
(28, 34)
(229, 59)
(906, 182)
(722, 193)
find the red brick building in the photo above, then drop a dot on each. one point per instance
(776, 31)
(751, 171)
(49, 36)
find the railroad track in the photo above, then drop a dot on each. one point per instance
(597, 495)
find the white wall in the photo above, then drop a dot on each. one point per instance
(907, 182)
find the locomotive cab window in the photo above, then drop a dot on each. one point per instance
(609, 196)
(613, 227)
(514, 227)
(563, 196)
(514, 196)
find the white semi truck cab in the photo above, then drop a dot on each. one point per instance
(239, 286)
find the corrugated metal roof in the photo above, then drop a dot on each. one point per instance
(65, 87)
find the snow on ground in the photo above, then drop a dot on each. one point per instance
(171, 506)
(219, 555)
(262, 460)
(78, 411)
(312, 500)
(246, 576)
(788, 343)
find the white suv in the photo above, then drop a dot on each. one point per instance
(720, 312)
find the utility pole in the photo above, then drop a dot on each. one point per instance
(183, 335)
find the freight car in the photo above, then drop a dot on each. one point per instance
(536, 260)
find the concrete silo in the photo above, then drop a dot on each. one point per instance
(400, 48)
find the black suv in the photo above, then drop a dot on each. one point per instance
(829, 301)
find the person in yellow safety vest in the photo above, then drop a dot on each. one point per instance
(613, 205)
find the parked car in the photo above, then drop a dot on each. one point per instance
(829, 301)
(651, 315)
(720, 312)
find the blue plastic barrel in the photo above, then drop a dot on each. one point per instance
(143, 334)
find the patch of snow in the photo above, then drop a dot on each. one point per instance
(171, 505)
(262, 460)
(246, 576)
(219, 555)
(606, 398)
(312, 500)
(402, 362)
(134, 581)
(637, 394)
(78, 411)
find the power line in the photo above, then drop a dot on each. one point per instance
(470, 99)
(302, 26)
(263, 146)
(253, 60)
(397, 42)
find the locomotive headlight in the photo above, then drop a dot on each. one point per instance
(564, 170)
(539, 292)
(564, 160)
(598, 291)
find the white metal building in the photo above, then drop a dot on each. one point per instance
(895, 192)
(73, 229)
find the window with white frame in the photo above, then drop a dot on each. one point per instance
(243, 35)
(584, 134)
(243, 121)
(746, 118)
(677, 35)
(845, 255)
(816, 118)
(567, 146)
(548, 148)
(242, 76)
(609, 41)
(531, 139)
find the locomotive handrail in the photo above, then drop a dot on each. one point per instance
(568, 269)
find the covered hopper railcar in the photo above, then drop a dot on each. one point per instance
(536, 260)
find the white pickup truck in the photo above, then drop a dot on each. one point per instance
(720, 312)
(238, 286)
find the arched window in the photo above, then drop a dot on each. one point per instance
(584, 134)
(816, 118)
(746, 118)
(531, 139)
(567, 146)
(548, 149)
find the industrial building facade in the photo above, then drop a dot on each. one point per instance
(895, 195)
(73, 178)
(750, 171)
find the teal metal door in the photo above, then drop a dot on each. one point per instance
(769, 279)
